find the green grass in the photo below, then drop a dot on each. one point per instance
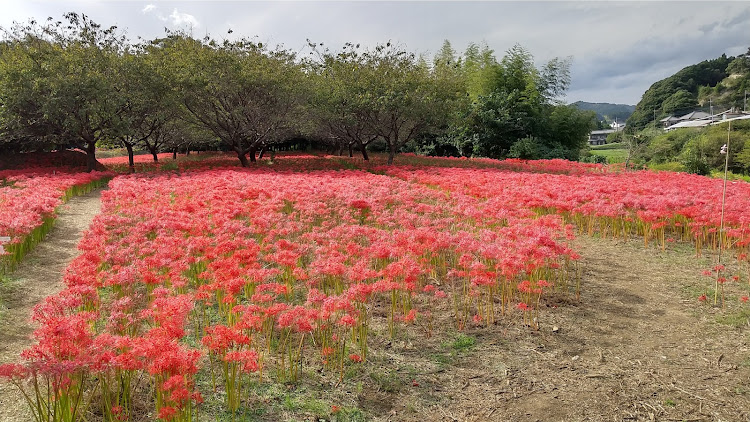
(718, 174)
(613, 145)
(460, 345)
(463, 343)
(737, 319)
(388, 382)
(612, 155)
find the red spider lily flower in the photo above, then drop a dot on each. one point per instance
(411, 316)
(347, 320)
(247, 358)
(167, 413)
(355, 358)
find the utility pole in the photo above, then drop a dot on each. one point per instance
(725, 151)
(711, 109)
(744, 109)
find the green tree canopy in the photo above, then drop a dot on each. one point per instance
(57, 84)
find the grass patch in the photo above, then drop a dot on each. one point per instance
(737, 319)
(668, 166)
(388, 382)
(463, 343)
(613, 145)
(460, 345)
(612, 155)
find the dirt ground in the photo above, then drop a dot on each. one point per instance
(638, 346)
(38, 276)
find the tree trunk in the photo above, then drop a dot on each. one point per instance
(252, 154)
(154, 153)
(262, 151)
(174, 154)
(341, 149)
(391, 152)
(363, 148)
(351, 150)
(243, 158)
(188, 152)
(91, 156)
(131, 159)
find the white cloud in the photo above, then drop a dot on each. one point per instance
(179, 19)
(148, 8)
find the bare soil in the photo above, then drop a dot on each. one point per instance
(38, 276)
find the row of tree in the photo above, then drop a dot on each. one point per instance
(73, 83)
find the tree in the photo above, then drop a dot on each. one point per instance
(383, 93)
(58, 84)
(518, 103)
(402, 98)
(568, 131)
(339, 83)
(150, 103)
(244, 94)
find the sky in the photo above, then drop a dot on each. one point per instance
(618, 49)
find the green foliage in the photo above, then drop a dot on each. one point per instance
(610, 145)
(693, 159)
(58, 85)
(514, 110)
(615, 138)
(666, 146)
(247, 96)
(384, 94)
(668, 166)
(679, 102)
(697, 150)
(463, 343)
(615, 155)
(590, 157)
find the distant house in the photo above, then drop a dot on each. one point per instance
(617, 125)
(599, 137)
(692, 119)
(695, 115)
(669, 121)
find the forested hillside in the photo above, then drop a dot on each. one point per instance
(720, 83)
(607, 111)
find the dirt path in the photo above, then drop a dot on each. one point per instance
(38, 276)
(638, 347)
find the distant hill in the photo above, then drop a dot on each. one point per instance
(607, 111)
(720, 83)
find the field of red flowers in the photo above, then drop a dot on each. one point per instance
(198, 284)
(28, 198)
